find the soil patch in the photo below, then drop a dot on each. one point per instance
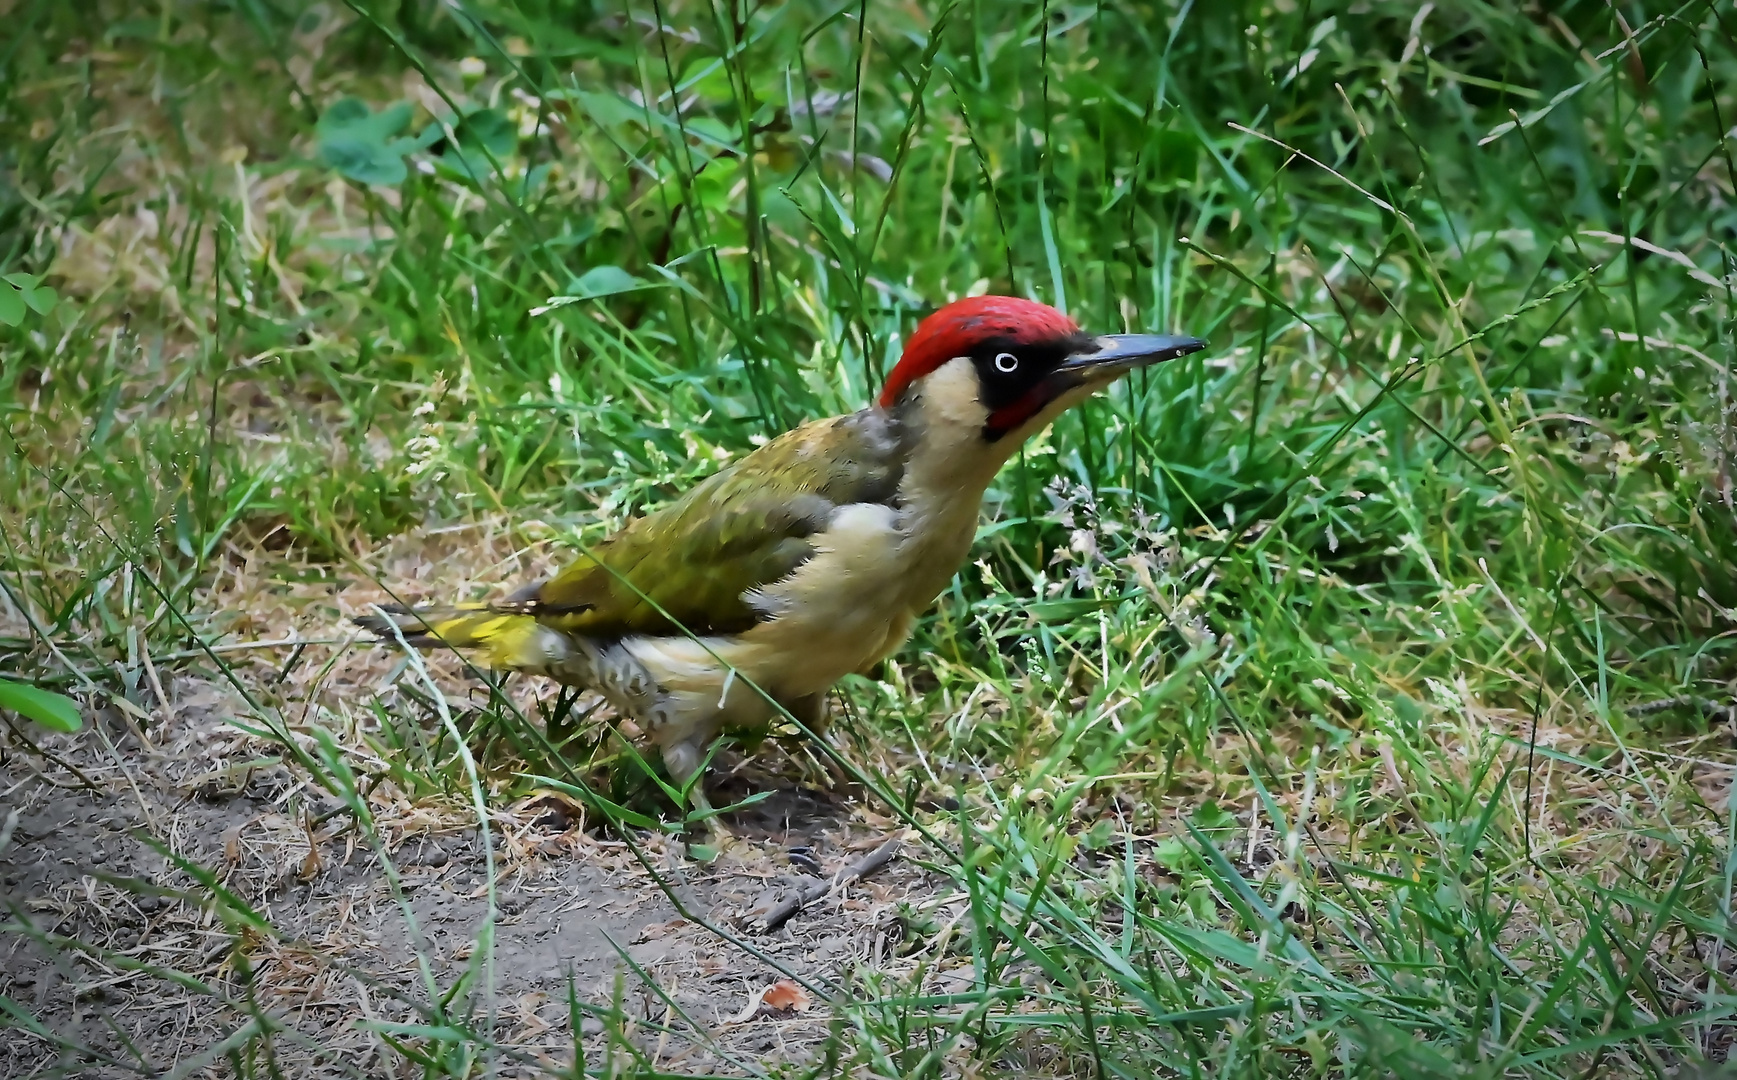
(118, 952)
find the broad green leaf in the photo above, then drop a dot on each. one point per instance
(1172, 854)
(37, 296)
(351, 118)
(11, 306)
(1211, 817)
(487, 129)
(360, 144)
(41, 299)
(363, 163)
(477, 138)
(54, 711)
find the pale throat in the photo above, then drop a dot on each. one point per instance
(947, 417)
(949, 467)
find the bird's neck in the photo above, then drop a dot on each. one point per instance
(948, 465)
(941, 425)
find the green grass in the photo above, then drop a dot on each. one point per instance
(1304, 707)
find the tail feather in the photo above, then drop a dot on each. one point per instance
(508, 640)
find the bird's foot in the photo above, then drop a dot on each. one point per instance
(707, 835)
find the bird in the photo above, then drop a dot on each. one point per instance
(809, 558)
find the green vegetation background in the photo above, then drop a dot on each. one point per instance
(1427, 566)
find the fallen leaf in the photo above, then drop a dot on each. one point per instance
(653, 931)
(785, 996)
(310, 865)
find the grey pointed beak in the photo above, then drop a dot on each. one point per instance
(1115, 354)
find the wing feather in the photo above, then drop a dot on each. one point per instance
(749, 525)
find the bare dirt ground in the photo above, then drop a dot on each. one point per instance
(131, 968)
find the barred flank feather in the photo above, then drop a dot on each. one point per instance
(507, 640)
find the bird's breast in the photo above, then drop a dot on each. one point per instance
(874, 568)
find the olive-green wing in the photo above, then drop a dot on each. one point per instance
(746, 526)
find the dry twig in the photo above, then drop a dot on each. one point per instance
(809, 893)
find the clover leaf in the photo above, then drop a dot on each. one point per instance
(22, 292)
(477, 137)
(364, 145)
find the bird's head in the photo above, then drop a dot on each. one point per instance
(1006, 367)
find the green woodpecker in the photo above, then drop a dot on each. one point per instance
(809, 558)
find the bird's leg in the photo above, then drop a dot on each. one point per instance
(811, 710)
(816, 717)
(685, 761)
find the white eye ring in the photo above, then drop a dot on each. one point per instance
(1006, 363)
